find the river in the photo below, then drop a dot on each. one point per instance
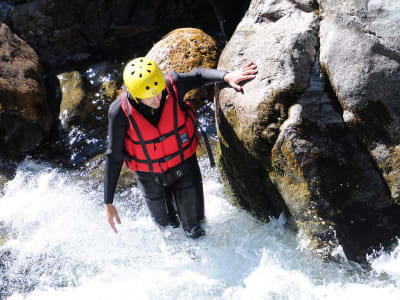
(58, 245)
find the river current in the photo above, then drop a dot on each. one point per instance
(57, 244)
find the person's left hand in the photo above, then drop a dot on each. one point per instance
(247, 72)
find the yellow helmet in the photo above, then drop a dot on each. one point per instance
(143, 78)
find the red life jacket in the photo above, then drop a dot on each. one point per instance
(156, 149)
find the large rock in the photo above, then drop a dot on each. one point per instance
(328, 180)
(281, 39)
(360, 50)
(64, 32)
(317, 164)
(25, 118)
(183, 50)
(85, 99)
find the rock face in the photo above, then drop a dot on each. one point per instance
(183, 50)
(85, 98)
(328, 180)
(24, 114)
(326, 154)
(66, 31)
(366, 76)
(282, 40)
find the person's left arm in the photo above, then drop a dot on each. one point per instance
(201, 77)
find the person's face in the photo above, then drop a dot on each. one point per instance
(153, 102)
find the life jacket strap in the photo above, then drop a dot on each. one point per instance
(174, 93)
(160, 160)
(157, 140)
(138, 133)
(185, 107)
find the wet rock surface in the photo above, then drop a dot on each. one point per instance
(366, 76)
(281, 40)
(64, 32)
(24, 112)
(326, 154)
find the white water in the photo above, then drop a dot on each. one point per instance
(59, 246)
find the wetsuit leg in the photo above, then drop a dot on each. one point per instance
(189, 200)
(159, 202)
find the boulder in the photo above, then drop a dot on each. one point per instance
(183, 50)
(360, 50)
(329, 181)
(72, 100)
(281, 39)
(319, 147)
(85, 98)
(68, 32)
(25, 118)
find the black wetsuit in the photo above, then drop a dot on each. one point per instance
(178, 192)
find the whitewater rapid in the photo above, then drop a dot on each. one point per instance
(58, 245)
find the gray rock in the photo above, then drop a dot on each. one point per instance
(67, 32)
(360, 50)
(281, 39)
(291, 143)
(328, 181)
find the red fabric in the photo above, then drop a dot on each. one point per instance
(160, 149)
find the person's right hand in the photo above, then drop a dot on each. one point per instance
(111, 213)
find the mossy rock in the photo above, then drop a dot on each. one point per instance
(73, 98)
(183, 50)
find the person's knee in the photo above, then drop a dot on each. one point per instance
(162, 214)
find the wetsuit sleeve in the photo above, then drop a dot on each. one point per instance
(196, 78)
(117, 127)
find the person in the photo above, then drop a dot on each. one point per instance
(153, 131)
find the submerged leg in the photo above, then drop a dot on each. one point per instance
(158, 200)
(189, 200)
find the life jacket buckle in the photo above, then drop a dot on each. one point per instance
(161, 138)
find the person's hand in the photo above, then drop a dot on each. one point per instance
(111, 213)
(247, 72)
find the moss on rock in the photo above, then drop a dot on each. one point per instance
(183, 50)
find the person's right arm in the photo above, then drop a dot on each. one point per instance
(117, 126)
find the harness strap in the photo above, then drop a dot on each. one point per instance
(157, 140)
(185, 108)
(139, 134)
(208, 147)
(163, 159)
(174, 93)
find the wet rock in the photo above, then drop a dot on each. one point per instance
(360, 50)
(7, 173)
(24, 112)
(318, 153)
(315, 160)
(68, 32)
(86, 96)
(183, 50)
(282, 40)
(72, 102)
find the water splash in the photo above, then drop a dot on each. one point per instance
(59, 246)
